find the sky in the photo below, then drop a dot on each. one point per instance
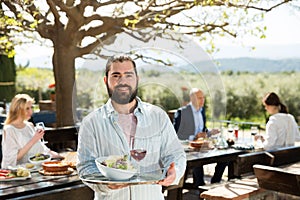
(282, 38)
(282, 41)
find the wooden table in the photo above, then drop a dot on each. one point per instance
(198, 157)
(46, 187)
(204, 157)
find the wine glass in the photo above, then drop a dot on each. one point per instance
(254, 131)
(137, 153)
(41, 126)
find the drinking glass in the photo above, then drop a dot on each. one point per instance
(230, 131)
(138, 154)
(41, 126)
(254, 131)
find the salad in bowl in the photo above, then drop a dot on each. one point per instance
(116, 167)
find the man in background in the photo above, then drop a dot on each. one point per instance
(190, 123)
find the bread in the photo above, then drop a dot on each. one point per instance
(55, 166)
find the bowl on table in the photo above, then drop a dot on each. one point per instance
(113, 173)
(39, 158)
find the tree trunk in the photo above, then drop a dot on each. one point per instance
(7, 78)
(64, 74)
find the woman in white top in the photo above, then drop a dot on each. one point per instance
(281, 129)
(19, 139)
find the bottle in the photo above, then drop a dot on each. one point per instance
(236, 131)
(222, 143)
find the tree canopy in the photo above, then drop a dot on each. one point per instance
(77, 27)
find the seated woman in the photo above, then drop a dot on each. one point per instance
(20, 139)
(281, 129)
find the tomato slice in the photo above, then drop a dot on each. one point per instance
(4, 171)
(3, 174)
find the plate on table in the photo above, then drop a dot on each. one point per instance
(15, 178)
(11, 175)
(146, 178)
(245, 147)
(60, 173)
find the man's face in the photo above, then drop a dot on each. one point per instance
(122, 82)
(198, 99)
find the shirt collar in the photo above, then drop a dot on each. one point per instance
(194, 109)
(111, 110)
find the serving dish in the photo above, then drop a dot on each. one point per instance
(145, 178)
(113, 173)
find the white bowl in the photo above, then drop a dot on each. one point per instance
(113, 173)
(39, 162)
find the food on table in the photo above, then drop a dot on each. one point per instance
(199, 143)
(29, 165)
(118, 162)
(39, 157)
(22, 172)
(19, 172)
(55, 166)
(70, 158)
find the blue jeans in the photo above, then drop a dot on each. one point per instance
(198, 174)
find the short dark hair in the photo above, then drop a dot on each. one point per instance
(118, 58)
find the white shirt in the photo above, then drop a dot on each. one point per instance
(281, 131)
(13, 139)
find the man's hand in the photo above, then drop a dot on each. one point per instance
(116, 186)
(171, 175)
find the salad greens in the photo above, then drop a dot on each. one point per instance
(118, 162)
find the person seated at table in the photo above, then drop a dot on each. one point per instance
(19, 138)
(281, 129)
(190, 120)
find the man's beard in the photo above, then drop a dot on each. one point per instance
(122, 97)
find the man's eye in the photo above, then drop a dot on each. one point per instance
(115, 76)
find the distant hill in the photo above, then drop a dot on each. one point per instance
(258, 65)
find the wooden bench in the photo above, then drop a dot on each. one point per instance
(281, 156)
(279, 179)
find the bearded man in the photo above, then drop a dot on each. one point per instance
(108, 131)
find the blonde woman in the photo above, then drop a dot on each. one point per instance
(20, 139)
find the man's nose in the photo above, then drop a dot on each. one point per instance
(122, 79)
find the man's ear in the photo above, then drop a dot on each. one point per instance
(105, 79)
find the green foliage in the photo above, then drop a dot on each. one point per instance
(159, 96)
(244, 91)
